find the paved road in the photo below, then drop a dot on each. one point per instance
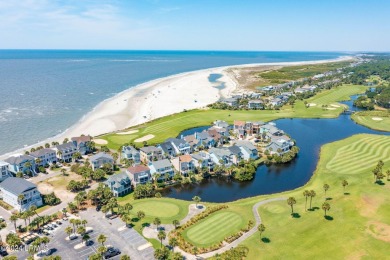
(236, 242)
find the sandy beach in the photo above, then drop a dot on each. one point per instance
(161, 97)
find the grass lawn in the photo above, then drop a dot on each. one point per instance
(366, 118)
(43, 208)
(214, 228)
(171, 126)
(359, 224)
(166, 209)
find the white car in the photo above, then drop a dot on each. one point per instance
(88, 230)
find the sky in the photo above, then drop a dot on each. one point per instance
(264, 25)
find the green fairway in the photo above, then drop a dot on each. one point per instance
(164, 208)
(172, 125)
(214, 228)
(359, 224)
(378, 120)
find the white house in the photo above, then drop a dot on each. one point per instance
(20, 194)
(130, 153)
(99, 159)
(161, 167)
(46, 156)
(248, 150)
(4, 171)
(180, 145)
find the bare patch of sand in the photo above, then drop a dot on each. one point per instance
(331, 108)
(45, 188)
(379, 230)
(377, 118)
(357, 255)
(368, 206)
(144, 138)
(100, 141)
(334, 105)
(312, 104)
(128, 132)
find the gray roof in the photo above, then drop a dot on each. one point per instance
(220, 152)
(128, 149)
(118, 177)
(176, 141)
(19, 159)
(17, 185)
(256, 101)
(234, 150)
(42, 152)
(200, 156)
(101, 155)
(167, 147)
(246, 144)
(148, 149)
(161, 164)
(66, 146)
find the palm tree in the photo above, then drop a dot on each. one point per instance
(81, 230)
(161, 236)
(173, 242)
(261, 229)
(13, 218)
(195, 250)
(140, 214)
(176, 223)
(306, 194)
(101, 250)
(196, 199)
(312, 195)
(344, 183)
(63, 171)
(68, 230)
(85, 238)
(84, 222)
(325, 207)
(326, 188)
(388, 174)
(20, 198)
(127, 207)
(125, 257)
(157, 222)
(73, 222)
(101, 239)
(127, 219)
(33, 209)
(291, 201)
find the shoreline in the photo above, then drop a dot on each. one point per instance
(158, 98)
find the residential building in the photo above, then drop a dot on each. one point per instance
(184, 164)
(151, 153)
(278, 146)
(192, 141)
(20, 194)
(230, 101)
(163, 167)
(255, 104)
(82, 143)
(119, 184)
(18, 163)
(4, 171)
(46, 156)
(139, 174)
(239, 128)
(130, 153)
(205, 139)
(65, 151)
(168, 149)
(221, 156)
(203, 160)
(99, 159)
(180, 145)
(221, 124)
(248, 150)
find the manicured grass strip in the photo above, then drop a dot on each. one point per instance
(356, 157)
(366, 118)
(214, 228)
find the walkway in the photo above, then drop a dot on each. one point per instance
(236, 242)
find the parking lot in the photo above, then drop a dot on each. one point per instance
(127, 240)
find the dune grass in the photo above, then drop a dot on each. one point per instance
(366, 118)
(357, 225)
(172, 125)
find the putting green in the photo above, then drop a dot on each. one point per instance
(214, 228)
(155, 208)
(360, 155)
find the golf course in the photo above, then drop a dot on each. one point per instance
(378, 120)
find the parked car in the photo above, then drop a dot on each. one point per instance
(59, 222)
(2, 219)
(44, 253)
(88, 230)
(3, 253)
(73, 237)
(111, 252)
(88, 242)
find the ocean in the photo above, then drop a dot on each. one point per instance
(44, 92)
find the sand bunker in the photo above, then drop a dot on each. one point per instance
(144, 138)
(128, 132)
(377, 118)
(331, 108)
(334, 105)
(100, 141)
(312, 104)
(378, 230)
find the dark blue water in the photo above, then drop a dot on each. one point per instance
(310, 135)
(45, 92)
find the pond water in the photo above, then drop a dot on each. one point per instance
(310, 135)
(214, 78)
